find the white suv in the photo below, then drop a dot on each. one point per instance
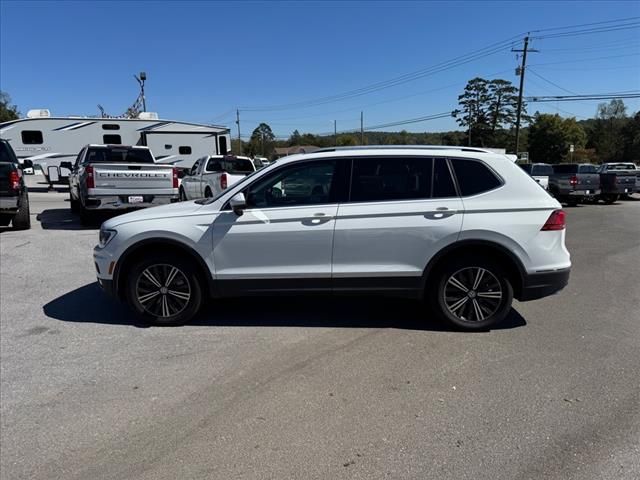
(465, 228)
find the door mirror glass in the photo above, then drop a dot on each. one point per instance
(67, 165)
(238, 203)
(27, 164)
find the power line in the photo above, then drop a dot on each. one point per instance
(573, 98)
(581, 60)
(552, 83)
(618, 20)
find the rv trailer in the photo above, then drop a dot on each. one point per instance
(47, 140)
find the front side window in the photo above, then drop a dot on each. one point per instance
(474, 177)
(386, 179)
(308, 184)
(32, 137)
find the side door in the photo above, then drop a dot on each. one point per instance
(284, 238)
(401, 211)
(192, 180)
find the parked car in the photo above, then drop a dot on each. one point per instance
(618, 179)
(212, 174)
(571, 183)
(260, 162)
(14, 195)
(118, 178)
(540, 172)
(465, 228)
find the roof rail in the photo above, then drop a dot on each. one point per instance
(404, 147)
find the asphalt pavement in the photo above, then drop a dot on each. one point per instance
(317, 388)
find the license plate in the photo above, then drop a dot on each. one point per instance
(626, 190)
(136, 199)
(588, 192)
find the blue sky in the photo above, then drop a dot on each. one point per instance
(205, 59)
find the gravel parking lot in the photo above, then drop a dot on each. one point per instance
(317, 388)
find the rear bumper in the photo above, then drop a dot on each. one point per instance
(543, 284)
(9, 204)
(122, 203)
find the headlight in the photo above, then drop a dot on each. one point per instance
(105, 237)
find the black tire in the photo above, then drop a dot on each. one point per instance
(572, 203)
(174, 306)
(183, 195)
(471, 310)
(208, 193)
(609, 198)
(5, 219)
(22, 219)
(74, 204)
(87, 217)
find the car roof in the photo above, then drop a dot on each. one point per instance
(110, 146)
(404, 150)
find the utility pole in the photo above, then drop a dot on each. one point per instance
(141, 80)
(239, 140)
(335, 133)
(361, 128)
(521, 71)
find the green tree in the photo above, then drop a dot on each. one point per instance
(7, 111)
(346, 140)
(606, 134)
(631, 139)
(551, 135)
(294, 139)
(262, 141)
(474, 113)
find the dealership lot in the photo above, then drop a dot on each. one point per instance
(317, 388)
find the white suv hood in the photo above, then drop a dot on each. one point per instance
(178, 209)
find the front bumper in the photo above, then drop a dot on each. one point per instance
(107, 286)
(542, 284)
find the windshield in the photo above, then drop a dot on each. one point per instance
(118, 155)
(542, 170)
(6, 153)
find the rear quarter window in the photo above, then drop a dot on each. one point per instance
(565, 169)
(474, 177)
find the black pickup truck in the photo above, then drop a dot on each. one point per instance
(14, 197)
(571, 183)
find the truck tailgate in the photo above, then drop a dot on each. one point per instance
(618, 182)
(133, 178)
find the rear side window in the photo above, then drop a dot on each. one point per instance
(443, 186)
(32, 137)
(111, 139)
(118, 155)
(230, 165)
(474, 177)
(380, 179)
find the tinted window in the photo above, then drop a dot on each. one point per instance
(6, 153)
(621, 166)
(32, 137)
(230, 165)
(223, 145)
(474, 177)
(111, 139)
(308, 184)
(542, 170)
(118, 155)
(379, 179)
(184, 150)
(110, 126)
(442, 182)
(587, 169)
(566, 168)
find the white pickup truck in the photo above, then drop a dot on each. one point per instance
(212, 174)
(117, 177)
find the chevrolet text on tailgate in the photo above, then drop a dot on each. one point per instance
(116, 177)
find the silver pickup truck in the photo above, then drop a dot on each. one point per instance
(117, 177)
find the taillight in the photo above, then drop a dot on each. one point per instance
(223, 181)
(91, 183)
(175, 177)
(573, 181)
(556, 221)
(14, 180)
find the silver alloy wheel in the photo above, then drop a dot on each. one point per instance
(472, 294)
(163, 290)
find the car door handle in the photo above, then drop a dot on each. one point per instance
(440, 213)
(317, 219)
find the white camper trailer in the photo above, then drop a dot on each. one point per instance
(47, 140)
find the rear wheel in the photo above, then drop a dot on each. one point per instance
(183, 195)
(473, 294)
(22, 220)
(165, 289)
(5, 220)
(208, 193)
(609, 198)
(75, 204)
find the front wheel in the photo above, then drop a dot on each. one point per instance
(165, 289)
(473, 294)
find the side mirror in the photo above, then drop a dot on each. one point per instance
(27, 164)
(238, 203)
(67, 165)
